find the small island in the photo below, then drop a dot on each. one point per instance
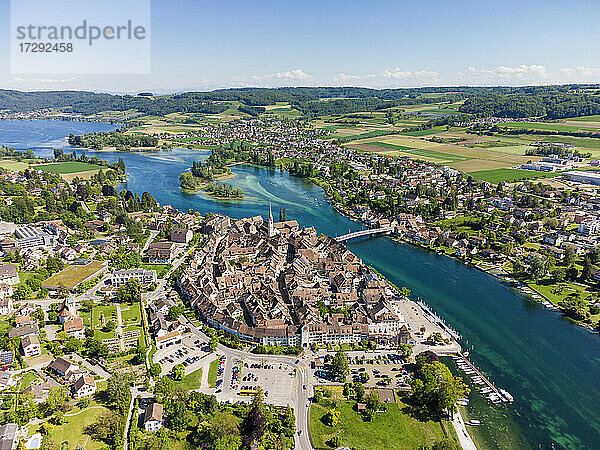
(203, 176)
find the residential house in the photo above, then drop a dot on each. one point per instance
(31, 346)
(160, 252)
(153, 417)
(84, 386)
(8, 274)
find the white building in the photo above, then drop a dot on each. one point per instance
(120, 277)
(84, 386)
(589, 227)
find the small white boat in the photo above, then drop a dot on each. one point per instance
(473, 422)
(509, 398)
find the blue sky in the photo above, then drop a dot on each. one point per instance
(200, 45)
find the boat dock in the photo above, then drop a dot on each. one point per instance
(488, 389)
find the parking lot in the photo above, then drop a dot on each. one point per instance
(187, 353)
(246, 374)
(379, 367)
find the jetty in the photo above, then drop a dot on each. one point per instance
(490, 391)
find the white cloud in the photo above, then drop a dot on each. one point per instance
(399, 74)
(348, 77)
(580, 74)
(522, 74)
(296, 74)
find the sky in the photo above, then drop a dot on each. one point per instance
(202, 45)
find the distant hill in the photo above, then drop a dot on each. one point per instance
(549, 101)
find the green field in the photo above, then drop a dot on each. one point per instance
(546, 126)
(68, 167)
(433, 130)
(131, 316)
(498, 175)
(576, 141)
(161, 269)
(71, 276)
(192, 380)
(72, 431)
(395, 429)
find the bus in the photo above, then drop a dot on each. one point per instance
(248, 392)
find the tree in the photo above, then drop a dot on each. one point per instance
(336, 441)
(59, 418)
(117, 391)
(155, 370)
(538, 267)
(332, 417)
(222, 425)
(436, 388)
(164, 389)
(405, 350)
(586, 272)
(130, 292)
(174, 312)
(372, 401)
(339, 366)
(570, 256)
(359, 391)
(253, 425)
(178, 372)
(178, 418)
(57, 397)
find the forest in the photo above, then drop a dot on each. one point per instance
(119, 140)
(549, 104)
(552, 101)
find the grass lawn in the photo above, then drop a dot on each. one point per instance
(192, 381)
(498, 175)
(161, 269)
(109, 311)
(131, 316)
(73, 275)
(72, 430)
(27, 379)
(212, 372)
(395, 429)
(68, 167)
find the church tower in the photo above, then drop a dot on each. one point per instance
(270, 227)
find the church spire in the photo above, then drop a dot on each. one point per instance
(270, 227)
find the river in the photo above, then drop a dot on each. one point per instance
(550, 366)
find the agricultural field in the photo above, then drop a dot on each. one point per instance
(498, 175)
(68, 167)
(71, 276)
(15, 166)
(549, 126)
(452, 150)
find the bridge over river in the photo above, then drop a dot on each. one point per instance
(368, 232)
